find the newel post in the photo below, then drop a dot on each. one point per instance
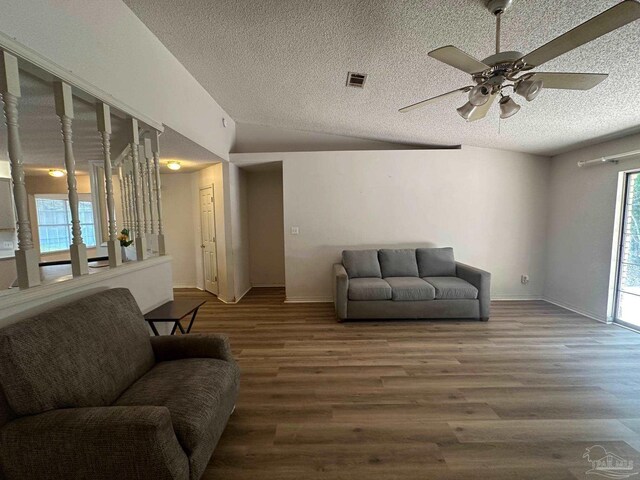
(27, 257)
(64, 110)
(103, 112)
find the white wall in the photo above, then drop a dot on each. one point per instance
(266, 227)
(149, 282)
(239, 231)
(582, 204)
(178, 215)
(490, 205)
(104, 45)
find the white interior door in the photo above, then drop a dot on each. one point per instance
(208, 245)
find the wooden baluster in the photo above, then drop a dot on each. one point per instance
(103, 112)
(148, 155)
(64, 110)
(141, 241)
(26, 256)
(123, 195)
(143, 191)
(155, 148)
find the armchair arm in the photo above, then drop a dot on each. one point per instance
(482, 281)
(175, 347)
(101, 443)
(340, 290)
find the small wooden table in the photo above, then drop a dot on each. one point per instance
(174, 311)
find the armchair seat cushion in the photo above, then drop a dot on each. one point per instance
(197, 391)
(452, 288)
(410, 289)
(369, 289)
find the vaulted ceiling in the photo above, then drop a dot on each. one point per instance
(284, 63)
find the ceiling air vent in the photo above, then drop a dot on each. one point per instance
(356, 79)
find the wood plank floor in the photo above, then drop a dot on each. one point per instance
(519, 397)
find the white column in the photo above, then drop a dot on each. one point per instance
(27, 257)
(141, 241)
(103, 112)
(155, 149)
(64, 110)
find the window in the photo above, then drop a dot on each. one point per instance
(628, 288)
(54, 223)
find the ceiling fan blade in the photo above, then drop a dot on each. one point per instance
(432, 99)
(570, 81)
(609, 20)
(481, 111)
(458, 59)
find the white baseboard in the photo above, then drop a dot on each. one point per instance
(515, 297)
(574, 309)
(184, 285)
(314, 299)
(267, 285)
(233, 302)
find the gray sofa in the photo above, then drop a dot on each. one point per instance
(409, 283)
(86, 393)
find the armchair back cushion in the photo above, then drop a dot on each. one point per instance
(398, 262)
(436, 262)
(84, 354)
(361, 263)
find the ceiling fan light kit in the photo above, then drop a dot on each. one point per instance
(512, 69)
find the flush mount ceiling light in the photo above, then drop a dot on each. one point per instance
(511, 70)
(56, 172)
(174, 165)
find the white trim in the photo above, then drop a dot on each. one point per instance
(579, 311)
(267, 285)
(184, 285)
(315, 299)
(23, 52)
(515, 298)
(14, 296)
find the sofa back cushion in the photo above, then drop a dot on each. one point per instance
(361, 263)
(398, 262)
(83, 354)
(436, 262)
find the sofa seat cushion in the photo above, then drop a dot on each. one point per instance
(369, 289)
(361, 263)
(398, 262)
(452, 288)
(194, 390)
(409, 289)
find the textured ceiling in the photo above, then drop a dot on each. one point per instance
(284, 63)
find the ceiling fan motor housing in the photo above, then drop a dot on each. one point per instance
(497, 7)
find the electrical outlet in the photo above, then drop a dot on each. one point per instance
(524, 279)
(295, 230)
(8, 245)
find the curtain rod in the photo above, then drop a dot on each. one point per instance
(609, 159)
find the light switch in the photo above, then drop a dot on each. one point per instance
(8, 245)
(295, 230)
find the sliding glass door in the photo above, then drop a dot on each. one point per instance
(628, 287)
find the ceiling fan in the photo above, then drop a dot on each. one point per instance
(512, 70)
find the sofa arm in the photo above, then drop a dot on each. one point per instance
(101, 443)
(176, 347)
(340, 290)
(482, 281)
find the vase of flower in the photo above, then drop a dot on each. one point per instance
(123, 238)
